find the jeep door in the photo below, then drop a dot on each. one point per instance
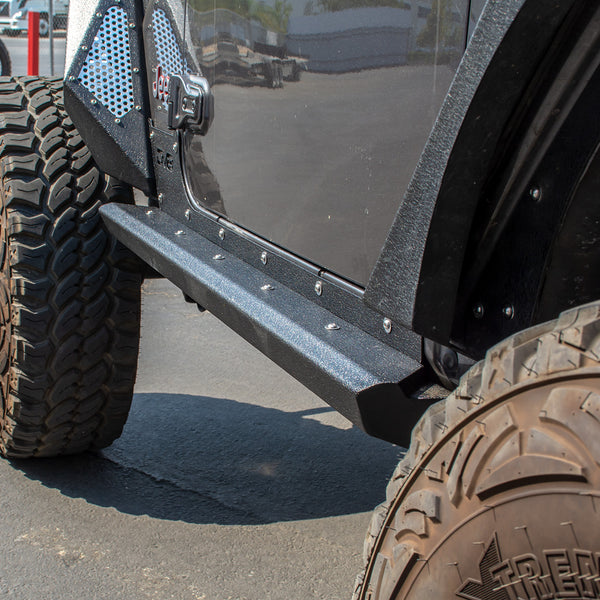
(322, 108)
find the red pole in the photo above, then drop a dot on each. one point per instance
(33, 44)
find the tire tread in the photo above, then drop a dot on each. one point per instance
(75, 291)
(546, 351)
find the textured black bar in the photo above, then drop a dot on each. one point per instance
(351, 370)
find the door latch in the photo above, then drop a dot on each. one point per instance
(190, 103)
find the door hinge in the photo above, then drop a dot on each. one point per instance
(190, 103)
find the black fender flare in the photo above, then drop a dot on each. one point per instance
(416, 280)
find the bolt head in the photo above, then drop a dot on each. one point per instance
(267, 287)
(161, 197)
(536, 194)
(478, 311)
(188, 214)
(332, 326)
(449, 360)
(222, 233)
(508, 311)
(218, 257)
(264, 257)
(387, 325)
(319, 288)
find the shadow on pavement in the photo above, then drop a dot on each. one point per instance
(210, 460)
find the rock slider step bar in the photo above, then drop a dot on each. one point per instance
(349, 369)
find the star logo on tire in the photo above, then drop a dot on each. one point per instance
(487, 587)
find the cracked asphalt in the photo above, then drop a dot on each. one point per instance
(230, 481)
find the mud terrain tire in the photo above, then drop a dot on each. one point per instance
(498, 497)
(70, 294)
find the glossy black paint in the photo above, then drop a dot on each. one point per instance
(322, 110)
(336, 296)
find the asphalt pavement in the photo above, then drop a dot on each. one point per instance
(17, 48)
(230, 481)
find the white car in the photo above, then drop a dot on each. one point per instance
(14, 15)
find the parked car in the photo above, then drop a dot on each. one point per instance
(411, 230)
(14, 15)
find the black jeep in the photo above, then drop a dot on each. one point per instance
(411, 229)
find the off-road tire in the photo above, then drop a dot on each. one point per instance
(69, 292)
(498, 496)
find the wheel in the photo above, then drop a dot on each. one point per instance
(278, 75)
(5, 64)
(70, 294)
(498, 497)
(270, 74)
(296, 72)
(44, 25)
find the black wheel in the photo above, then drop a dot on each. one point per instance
(498, 497)
(44, 25)
(5, 64)
(70, 294)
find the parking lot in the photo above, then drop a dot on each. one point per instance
(231, 481)
(17, 48)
